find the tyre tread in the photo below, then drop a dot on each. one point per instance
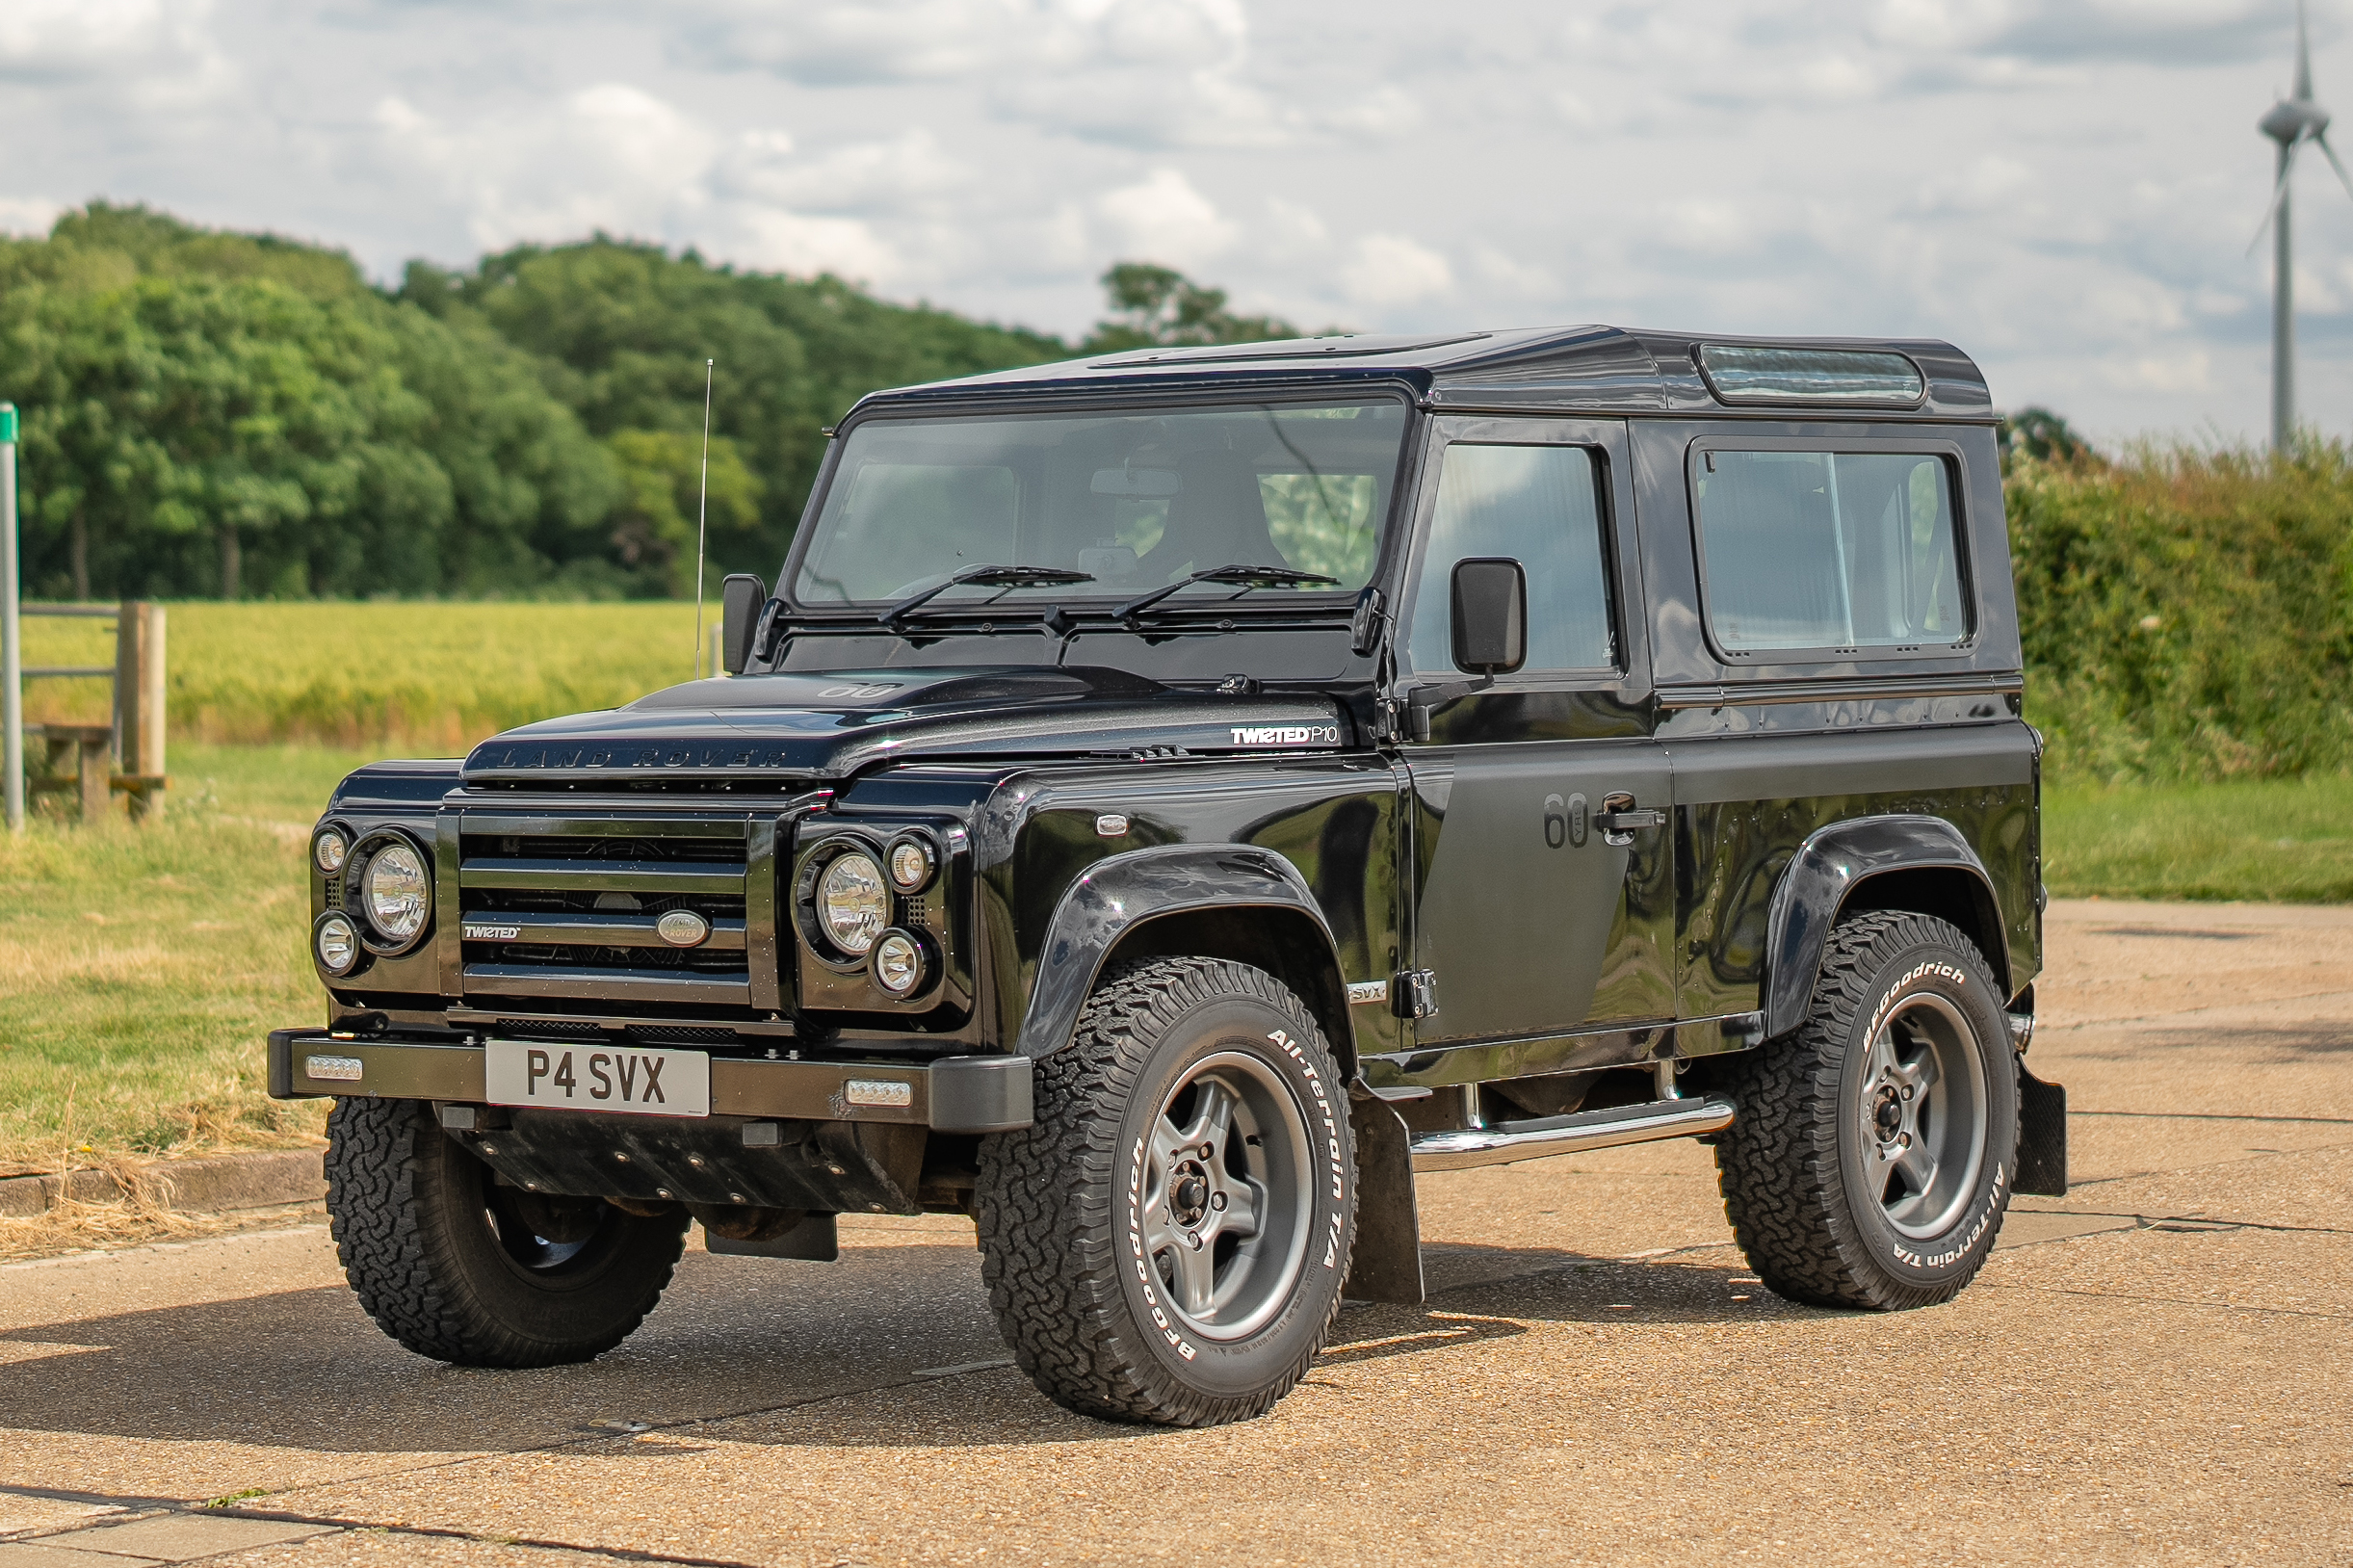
(1048, 1238)
(1777, 1166)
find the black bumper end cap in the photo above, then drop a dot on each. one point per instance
(983, 1094)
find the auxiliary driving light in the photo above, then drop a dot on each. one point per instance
(898, 963)
(336, 942)
(852, 905)
(911, 864)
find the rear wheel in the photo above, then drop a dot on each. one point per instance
(459, 1268)
(1871, 1161)
(1167, 1243)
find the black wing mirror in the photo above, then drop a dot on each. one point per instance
(1490, 623)
(739, 598)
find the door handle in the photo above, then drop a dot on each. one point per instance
(1619, 819)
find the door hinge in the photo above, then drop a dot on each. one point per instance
(1413, 993)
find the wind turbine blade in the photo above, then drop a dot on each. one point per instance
(2304, 57)
(2344, 178)
(2278, 194)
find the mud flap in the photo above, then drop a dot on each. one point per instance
(2042, 1137)
(814, 1239)
(1386, 1262)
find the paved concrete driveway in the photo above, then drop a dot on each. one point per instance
(2152, 1369)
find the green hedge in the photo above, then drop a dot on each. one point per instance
(2187, 615)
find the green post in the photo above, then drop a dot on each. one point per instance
(12, 650)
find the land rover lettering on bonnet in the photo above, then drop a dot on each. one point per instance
(1169, 801)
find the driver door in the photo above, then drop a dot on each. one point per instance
(1536, 912)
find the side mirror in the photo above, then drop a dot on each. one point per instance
(739, 598)
(1490, 623)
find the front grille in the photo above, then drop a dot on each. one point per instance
(559, 908)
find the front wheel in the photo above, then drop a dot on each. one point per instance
(1871, 1160)
(459, 1268)
(1167, 1243)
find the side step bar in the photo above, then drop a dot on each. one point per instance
(1508, 1142)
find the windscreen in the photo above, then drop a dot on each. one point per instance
(1135, 501)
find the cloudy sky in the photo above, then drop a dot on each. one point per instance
(2065, 188)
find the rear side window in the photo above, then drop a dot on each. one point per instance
(1539, 505)
(1830, 550)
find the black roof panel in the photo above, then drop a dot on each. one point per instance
(1589, 369)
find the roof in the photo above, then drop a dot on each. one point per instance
(1588, 369)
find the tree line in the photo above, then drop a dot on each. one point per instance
(224, 415)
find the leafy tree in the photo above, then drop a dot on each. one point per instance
(210, 413)
(662, 492)
(621, 331)
(1159, 306)
(2043, 435)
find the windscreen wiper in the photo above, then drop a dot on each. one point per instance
(1246, 576)
(987, 577)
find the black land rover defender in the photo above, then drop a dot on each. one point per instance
(1172, 799)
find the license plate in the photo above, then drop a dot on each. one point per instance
(608, 1077)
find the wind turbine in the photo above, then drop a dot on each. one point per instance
(2291, 122)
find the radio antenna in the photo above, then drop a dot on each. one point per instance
(702, 531)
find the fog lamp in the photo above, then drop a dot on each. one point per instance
(898, 963)
(336, 942)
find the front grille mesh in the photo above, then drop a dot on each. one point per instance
(615, 869)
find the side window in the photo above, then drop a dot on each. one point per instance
(1539, 505)
(1829, 549)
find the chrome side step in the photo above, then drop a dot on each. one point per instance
(1508, 1142)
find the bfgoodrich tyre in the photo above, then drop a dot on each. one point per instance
(463, 1270)
(1167, 1243)
(1871, 1158)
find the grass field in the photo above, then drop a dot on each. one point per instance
(432, 676)
(2286, 841)
(140, 967)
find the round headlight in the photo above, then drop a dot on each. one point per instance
(898, 963)
(328, 850)
(336, 942)
(852, 903)
(398, 893)
(911, 864)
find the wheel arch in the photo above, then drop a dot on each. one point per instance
(1916, 863)
(1226, 901)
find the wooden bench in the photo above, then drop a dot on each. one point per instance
(88, 750)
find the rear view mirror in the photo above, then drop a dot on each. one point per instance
(1137, 482)
(1490, 625)
(739, 598)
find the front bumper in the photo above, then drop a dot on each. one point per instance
(953, 1094)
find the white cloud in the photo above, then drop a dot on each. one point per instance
(616, 159)
(62, 39)
(1388, 270)
(28, 215)
(2064, 188)
(1161, 218)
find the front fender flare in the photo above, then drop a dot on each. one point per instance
(1825, 871)
(1116, 894)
